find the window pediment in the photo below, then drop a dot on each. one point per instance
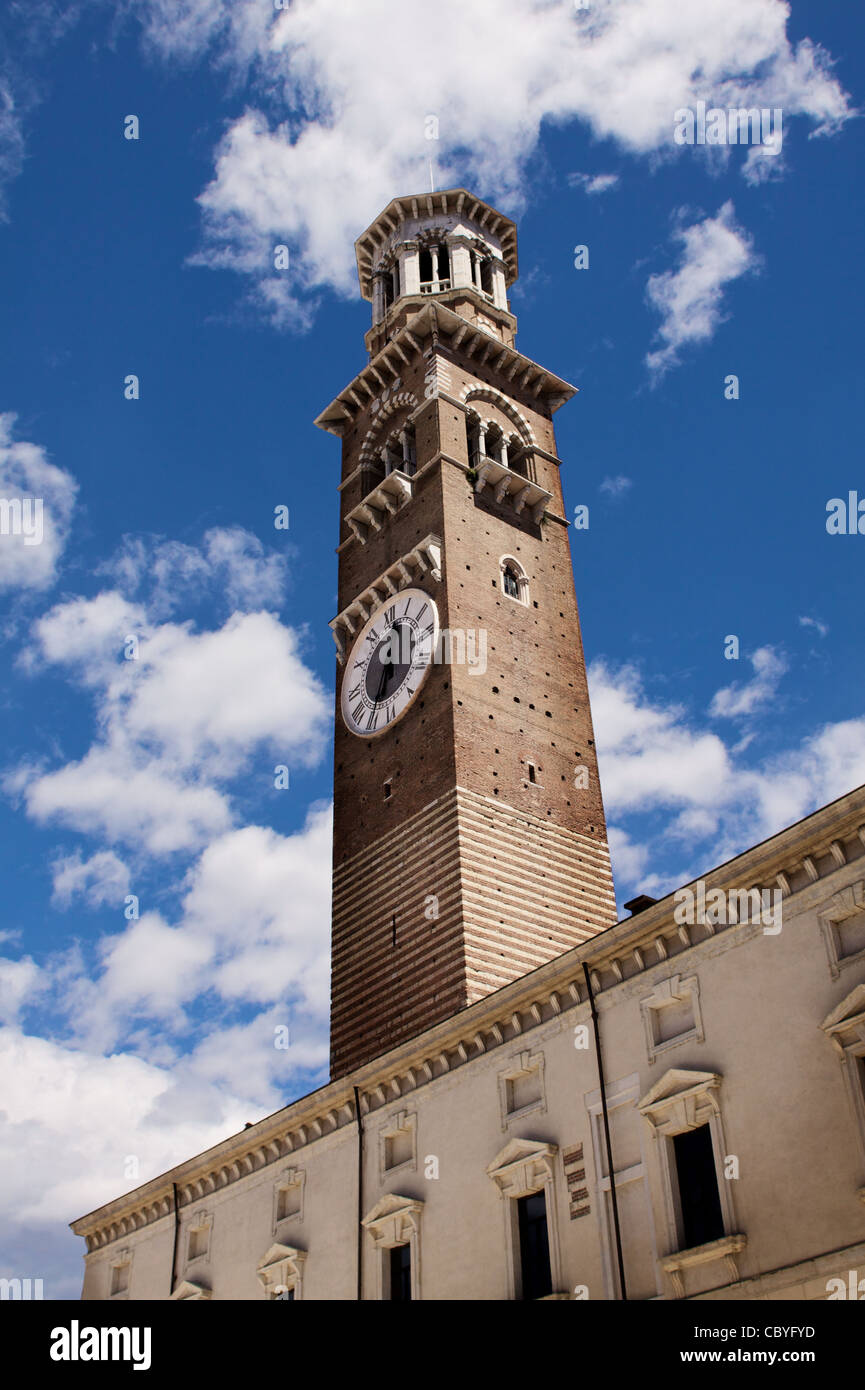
(393, 1220)
(846, 1023)
(281, 1266)
(523, 1166)
(681, 1100)
(187, 1292)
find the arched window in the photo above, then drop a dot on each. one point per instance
(514, 579)
(487, 276)
(425, 270)
(444, 267)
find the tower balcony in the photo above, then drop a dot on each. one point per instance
(384, 500)
(505, 482)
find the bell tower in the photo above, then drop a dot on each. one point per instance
(469, 837)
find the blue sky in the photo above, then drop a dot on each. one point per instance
(131, 1043)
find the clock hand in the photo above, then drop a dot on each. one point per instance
(382, 682)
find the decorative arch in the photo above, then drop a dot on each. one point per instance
(372, 438)
(507, 407)
(509, 566)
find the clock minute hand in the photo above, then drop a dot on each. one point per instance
(382, 682)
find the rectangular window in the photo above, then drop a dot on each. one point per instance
(699, 1199)
(400, 1274)
(537, 1280)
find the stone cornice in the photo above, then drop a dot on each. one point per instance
(388, 365)
(615, 956)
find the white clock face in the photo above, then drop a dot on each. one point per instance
(389, 662)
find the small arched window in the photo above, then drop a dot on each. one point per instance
(514, 580)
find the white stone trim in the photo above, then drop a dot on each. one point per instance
(506, 561)
(679, 1101)
(845, 1028)
(395, 1220)
(291, 1179)
(401, 1123)
(281, 1267)
(426, 558)
(521, 1064)
(666, 993)
(474, 392)
(848, 902)
(188, 1292)
(522, 1167)
(199, 1221)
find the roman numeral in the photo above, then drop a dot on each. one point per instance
(372, 636)
(390, 615)
(372, 720)
(354, 692)
(426, 631)
(357, 712)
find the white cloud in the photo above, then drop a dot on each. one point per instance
(594, 183)
(108, 793)
(47, 494)
(654, 758)
(341, 141)
(231, 565)
(101, 879)
(175, 724)
(616, 487)
(735, 700)
(821, 628)
(20, 982)
(689, 298)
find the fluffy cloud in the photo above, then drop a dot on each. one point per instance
(594, 183)
(101, 879)
(736, 700)
(654, 758)
(231, 565)
(176, 723)
(319, 159)
(116, 1121)
(689, 298)
(36, 503)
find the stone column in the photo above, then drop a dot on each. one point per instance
(500, 291)
(411, 268)
(461, 262)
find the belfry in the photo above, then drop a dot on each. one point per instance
(469, 837)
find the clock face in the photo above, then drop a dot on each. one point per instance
(389, 662)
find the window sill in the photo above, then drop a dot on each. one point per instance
(727, 1248)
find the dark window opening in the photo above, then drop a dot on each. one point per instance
(400, 1274)
(387, 283)
(532, 777)
(387, 790)
(537, 1279)
(699, 1199)
(425, 264)
(487, 277)
(510, 582)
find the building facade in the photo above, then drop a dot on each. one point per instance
(528, 1099)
